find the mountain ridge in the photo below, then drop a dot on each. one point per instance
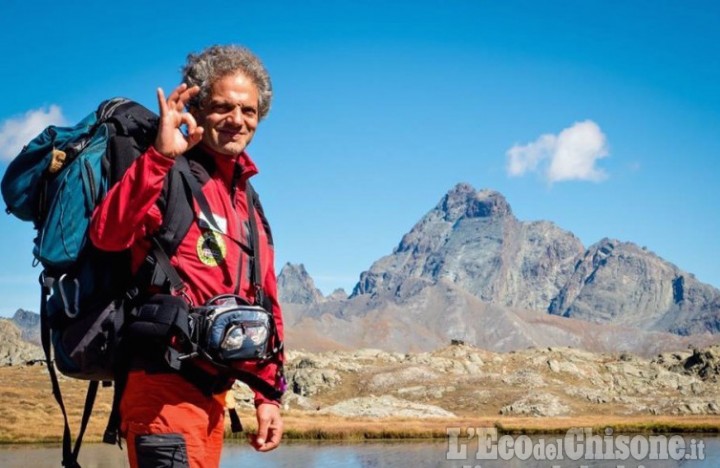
(471, 243)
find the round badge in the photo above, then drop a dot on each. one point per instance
(211, 248)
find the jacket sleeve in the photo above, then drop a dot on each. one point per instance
(273, 372)
(129, 210)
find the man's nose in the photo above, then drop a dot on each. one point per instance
(235, 116)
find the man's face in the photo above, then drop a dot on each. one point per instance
(230, 114)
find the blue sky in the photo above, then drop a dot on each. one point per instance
(601, 116)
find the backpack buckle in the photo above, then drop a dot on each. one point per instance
(182, 292)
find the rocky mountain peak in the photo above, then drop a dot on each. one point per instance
(463, 201)
(295, 286)
(29, 325)
(472, 240)
(338, 295)
(622, 283)
(26, 319)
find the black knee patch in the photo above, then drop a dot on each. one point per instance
(161, 451)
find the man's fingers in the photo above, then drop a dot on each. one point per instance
(181, 96)
(188, 94)
(176, 92)
(262, 432)
(269, 424)
(274, 436)
(162, 104)
(187, 119)
(195, 137)
(194, 132)
(177, 100)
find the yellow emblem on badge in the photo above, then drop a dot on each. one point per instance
(211, 248)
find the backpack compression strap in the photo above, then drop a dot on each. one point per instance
(70, 455)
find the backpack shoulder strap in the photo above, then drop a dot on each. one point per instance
(176, 205)
(255, 241)
(261, 298)
(261, 212)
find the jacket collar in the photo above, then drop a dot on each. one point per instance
(227, 167)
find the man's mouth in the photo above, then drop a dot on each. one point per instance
(232, 134)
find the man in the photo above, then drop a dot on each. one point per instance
(165, 416)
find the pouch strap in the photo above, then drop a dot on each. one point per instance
(213, 384)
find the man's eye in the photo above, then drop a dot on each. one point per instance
(249, 111)
(222, 108)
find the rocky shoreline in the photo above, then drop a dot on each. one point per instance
(370, 394)
(463, 381)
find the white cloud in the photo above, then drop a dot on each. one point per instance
(526, 158)
(15, 132)
(570, 155)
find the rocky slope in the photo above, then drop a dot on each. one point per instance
(619, 282)
(472, 240)
(433, 316)
(14, 350)
(463, 380)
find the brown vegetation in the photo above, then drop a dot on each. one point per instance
(29, 413)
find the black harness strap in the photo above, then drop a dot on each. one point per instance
(163, 262)
(194, 186)
(184, 168)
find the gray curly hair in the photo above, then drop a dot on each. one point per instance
(216, 62)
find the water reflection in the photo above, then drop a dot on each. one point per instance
(426, 454)
(336, 455)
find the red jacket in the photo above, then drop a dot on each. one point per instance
(209, 263)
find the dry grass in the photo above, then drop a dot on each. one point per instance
(29, 413)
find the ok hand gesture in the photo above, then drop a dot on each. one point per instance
(170, 140)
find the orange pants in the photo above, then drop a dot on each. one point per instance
(167, 421)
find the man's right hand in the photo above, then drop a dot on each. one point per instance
(170, 140)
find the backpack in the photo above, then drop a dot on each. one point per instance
(55, 182)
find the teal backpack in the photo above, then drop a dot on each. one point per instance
(59, 177)
(55, 182)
